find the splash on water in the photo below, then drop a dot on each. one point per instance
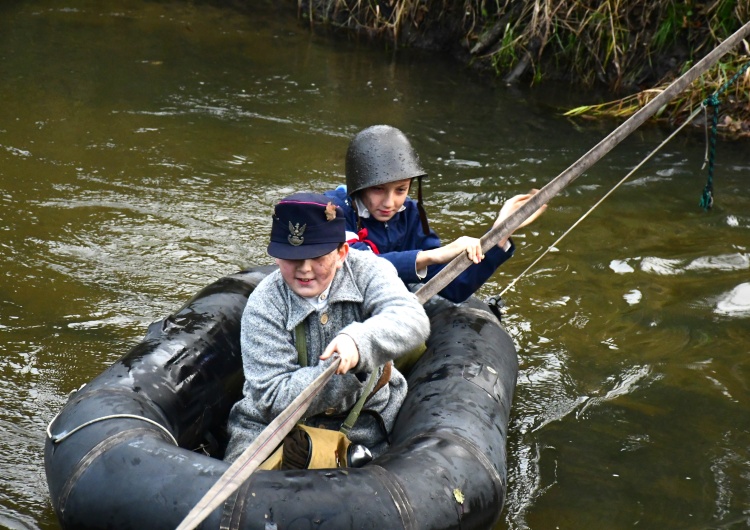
(633, 297)
(620, 266)
(736, 302)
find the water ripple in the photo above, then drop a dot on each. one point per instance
(624, 384)
(667, 267)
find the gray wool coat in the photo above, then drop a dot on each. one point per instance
(368, 302)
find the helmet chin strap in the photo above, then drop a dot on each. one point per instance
(355, 207)
(420, 207)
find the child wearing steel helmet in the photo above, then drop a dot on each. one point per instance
(380, 216)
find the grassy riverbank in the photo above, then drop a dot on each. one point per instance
(633, 49)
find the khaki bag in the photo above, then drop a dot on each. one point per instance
(308, 447)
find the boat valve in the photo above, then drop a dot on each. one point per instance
(358, 455)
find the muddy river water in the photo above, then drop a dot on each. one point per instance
(143, 143)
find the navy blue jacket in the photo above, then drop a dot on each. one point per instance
(402, 238)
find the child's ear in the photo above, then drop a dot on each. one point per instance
(343, 250)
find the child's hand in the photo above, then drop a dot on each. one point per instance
(470, 245)
(347, 351)
(513, 204)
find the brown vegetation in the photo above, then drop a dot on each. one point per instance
(631, 48)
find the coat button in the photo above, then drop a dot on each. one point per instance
(330, 411)
(324, 318)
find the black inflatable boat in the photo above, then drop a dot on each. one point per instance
(137, 447)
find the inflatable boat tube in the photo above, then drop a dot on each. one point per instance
(137, 447)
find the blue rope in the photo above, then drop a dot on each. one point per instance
(707, 199)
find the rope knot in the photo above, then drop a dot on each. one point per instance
(712, 101)
(707, 199)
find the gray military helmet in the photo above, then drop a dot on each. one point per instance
(378, 155)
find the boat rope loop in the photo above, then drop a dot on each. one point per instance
(707, 199)
(56, 439)
(580, 219)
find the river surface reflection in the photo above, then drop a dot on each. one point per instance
(142, 145)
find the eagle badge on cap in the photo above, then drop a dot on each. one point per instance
(295, 237)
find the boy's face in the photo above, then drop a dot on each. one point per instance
(385, 200)
(310, 277)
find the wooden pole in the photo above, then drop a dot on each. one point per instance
(255, 453)
(504, 229)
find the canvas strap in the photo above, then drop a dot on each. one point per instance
(300, 342)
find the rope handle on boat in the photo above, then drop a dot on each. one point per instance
(56, 439)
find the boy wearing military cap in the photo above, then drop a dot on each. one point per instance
(350, 303)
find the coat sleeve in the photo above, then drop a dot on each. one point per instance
(405, 263)
(396, 323)
(471, 279)
(465, 284)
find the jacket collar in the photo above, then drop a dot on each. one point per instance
(343, 289)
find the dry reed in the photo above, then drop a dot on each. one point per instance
(632, 48)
